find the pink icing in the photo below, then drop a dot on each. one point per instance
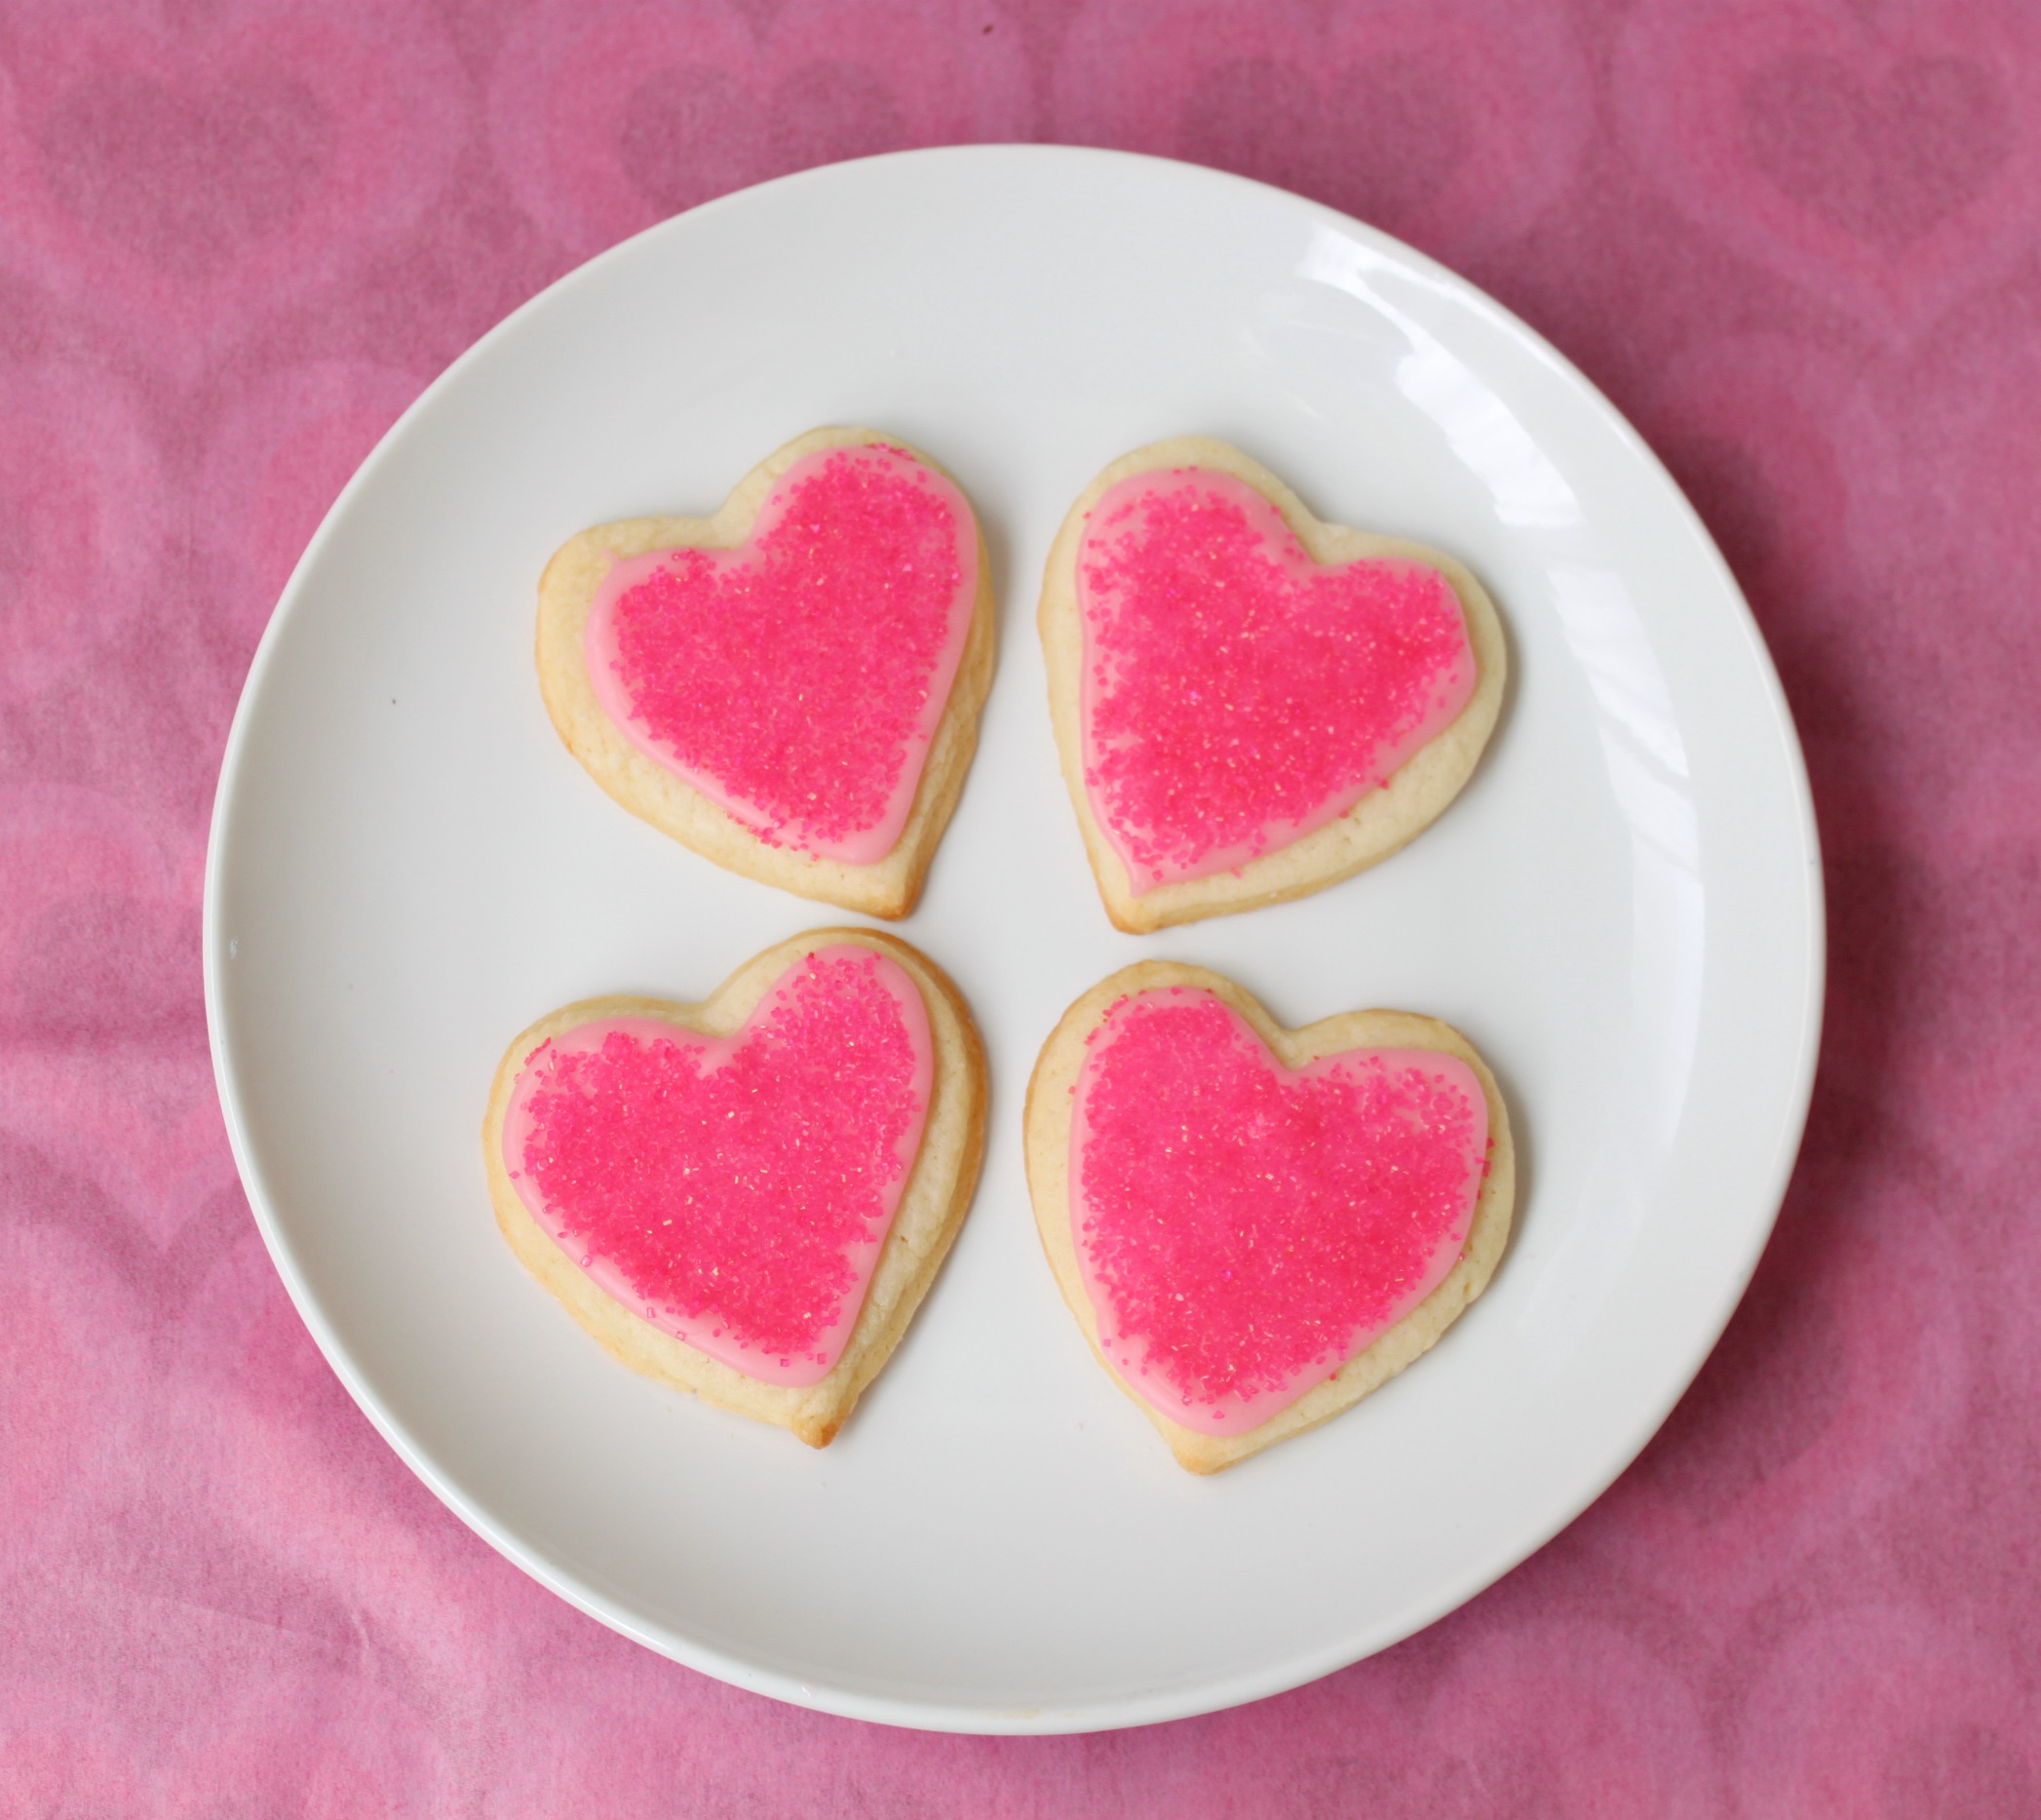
(1243, 1229)
(735, 1191)
(1236, 694)
(797, 679)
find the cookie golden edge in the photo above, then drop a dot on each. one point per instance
(931, 1209)
(889, 887)
(1383, 821)
(1048, 1117)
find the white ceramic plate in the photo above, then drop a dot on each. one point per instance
(1621, 911)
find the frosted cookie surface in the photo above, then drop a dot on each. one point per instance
(1256, 1226)
(790, 687)
(747, 1197)
(1251, 704)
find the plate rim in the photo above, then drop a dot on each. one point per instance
(1158, 1705)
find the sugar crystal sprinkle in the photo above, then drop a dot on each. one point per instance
(800, 671)
(1237, 694)
(1245, 1228)
(734, 1192)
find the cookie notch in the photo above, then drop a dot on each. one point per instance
(1050, 1092)
(933, 1203)
(1383, 820)
(888, 887)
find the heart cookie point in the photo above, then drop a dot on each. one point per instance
(1254, 1227)
(1251, 704)
(790, 687)
(749, 1197)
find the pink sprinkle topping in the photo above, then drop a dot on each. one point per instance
(798, 678)
(735, 1191)
(1236, 694)
(1243, 1228)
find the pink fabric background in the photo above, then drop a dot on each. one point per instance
(1795, 240)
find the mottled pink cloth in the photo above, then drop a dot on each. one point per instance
(1795, 240)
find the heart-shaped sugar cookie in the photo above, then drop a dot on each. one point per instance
(747, 1198)
(1251, 704)
(790, 687)
(1256, 1226)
